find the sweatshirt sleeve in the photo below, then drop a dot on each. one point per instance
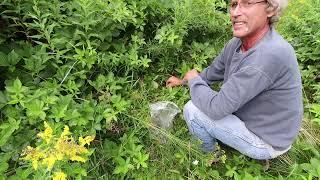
(240, 88)
(215, 71)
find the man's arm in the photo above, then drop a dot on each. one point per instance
(240, 88)
(214, 72)
(211, 74)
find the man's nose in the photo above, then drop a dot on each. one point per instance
(236, 11)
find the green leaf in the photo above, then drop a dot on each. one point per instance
(9, 60)
(141, 159)
(123, 166)
(22, 173)
(315, 162)
(16, 88)
(110, 148)
(36, 62)
(3, 59)
(3, 167)
(13, 58)
(75, 169)
(231, 171)
(16, 92)
(7, 129)
(60, 108)
(3, 99)
(36, 109)
(248, 176)
(110, 115)
(99, 83)
(315, 108)
(4, 157)
(308, 168)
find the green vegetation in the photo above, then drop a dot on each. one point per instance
(72, 70)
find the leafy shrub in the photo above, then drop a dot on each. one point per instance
(95, 65)
(78, 63)
(300, 27)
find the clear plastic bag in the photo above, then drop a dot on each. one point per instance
(163, 113)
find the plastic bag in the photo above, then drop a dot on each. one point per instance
(163, 113)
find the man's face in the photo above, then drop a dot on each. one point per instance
(248, 17)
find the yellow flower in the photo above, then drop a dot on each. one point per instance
(35, 164)
(86, 140)
(49, 161)
(47, 134)
(81, 150)
(70, 149)
(64, 148)
(59, 155)
(33, 154)
(65, 133)
(59, 176)
(77, 158)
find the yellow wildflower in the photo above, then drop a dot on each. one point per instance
(29, 152)
(65, 133)
(59, 176)
(49, 161)
(81, 150)
(47, 134)
(77, 158)
(70, 149)
(59, 155)
(34, 155)
(86, 140)
(65, 146)
(57, 149)
(35, 164)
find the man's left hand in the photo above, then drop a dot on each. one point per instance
(190, 75)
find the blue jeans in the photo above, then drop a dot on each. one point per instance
(230, 130)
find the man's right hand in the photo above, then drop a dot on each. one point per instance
(174, 81)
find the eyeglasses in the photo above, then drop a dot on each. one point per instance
(243, 5)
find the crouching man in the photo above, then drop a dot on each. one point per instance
(258, 110)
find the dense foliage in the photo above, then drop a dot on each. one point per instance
(300, 28)
(80, 74)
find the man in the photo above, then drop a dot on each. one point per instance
(258, 110)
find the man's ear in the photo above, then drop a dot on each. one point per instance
(271, 13)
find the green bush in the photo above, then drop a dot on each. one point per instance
(94, 66)
(300, 26)
(79, 63)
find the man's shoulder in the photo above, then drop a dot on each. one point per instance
(232, 44)
(274, 55)
(276, 45)
(274, 51)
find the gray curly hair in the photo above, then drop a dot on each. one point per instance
(277, 6)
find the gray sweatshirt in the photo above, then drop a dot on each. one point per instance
(262, 87)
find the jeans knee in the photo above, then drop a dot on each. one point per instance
(189, 106)
(189, 110)
(259, 154)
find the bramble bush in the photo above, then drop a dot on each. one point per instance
(91, 68)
